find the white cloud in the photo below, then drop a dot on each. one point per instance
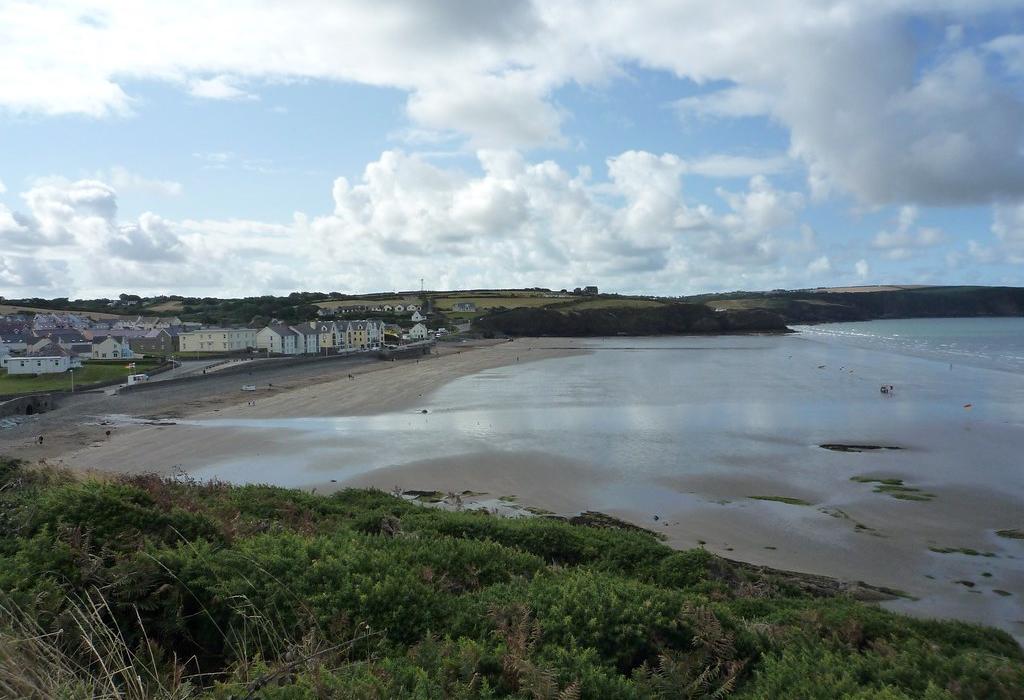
(726, 165)
(763, 207)
(80, 217)
(26, 272)
(819, 265)
(730, 102)
(515, 223)
(3, 187)
(1010, 48)
(150, 238)
(845, 79)
(215, 160)
(902, 242)
(10, 225)
(223, 160)
(123, 179)
(1008, 226)
(514, 112)
(862, 268)
(221, 87)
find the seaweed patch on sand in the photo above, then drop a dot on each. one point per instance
(895, 488)
(841, 447)
(962, 550)
(788, 500)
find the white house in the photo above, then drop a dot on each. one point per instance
(308, 338)
(41, 364)
(374, 333)
(419, 332)
(111, 348)
(280, 340)
(417, 316)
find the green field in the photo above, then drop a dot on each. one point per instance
(486, 301)
(16, 309)
(89, 374)
(492, 302)
(167, 307)
(761, 303)
(611, 303)
(346, 303)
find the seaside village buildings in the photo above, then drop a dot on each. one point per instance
(45, 343)
(217, 340)
(321, 337)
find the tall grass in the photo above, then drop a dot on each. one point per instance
(88, 658)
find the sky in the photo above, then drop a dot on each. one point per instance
(654, 146)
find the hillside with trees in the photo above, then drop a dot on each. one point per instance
(664, 319)
(824, 305)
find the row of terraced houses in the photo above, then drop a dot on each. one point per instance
(49, 344)
(283, 339)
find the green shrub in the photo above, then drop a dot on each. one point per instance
(360, 594)
(558, 542)
(684, 569)
(115, 514)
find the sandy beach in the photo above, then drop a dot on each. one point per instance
(141, 438)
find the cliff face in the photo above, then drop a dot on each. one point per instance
(671, 319)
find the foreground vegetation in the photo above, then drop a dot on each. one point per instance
(89, 374)
(144, 587)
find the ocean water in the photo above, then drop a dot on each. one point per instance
(685, 431)
(996, 343)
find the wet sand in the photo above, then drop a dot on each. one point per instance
(155, 438)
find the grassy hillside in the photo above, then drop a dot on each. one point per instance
(19, 308)
(797, 306)
(142, 587)
(851, 304)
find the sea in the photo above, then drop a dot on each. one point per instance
(706, 437)
(996, 343)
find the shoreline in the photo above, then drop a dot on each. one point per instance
(80, 442)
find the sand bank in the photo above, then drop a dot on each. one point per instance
(152, 437)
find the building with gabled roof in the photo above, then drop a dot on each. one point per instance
(279, 339)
